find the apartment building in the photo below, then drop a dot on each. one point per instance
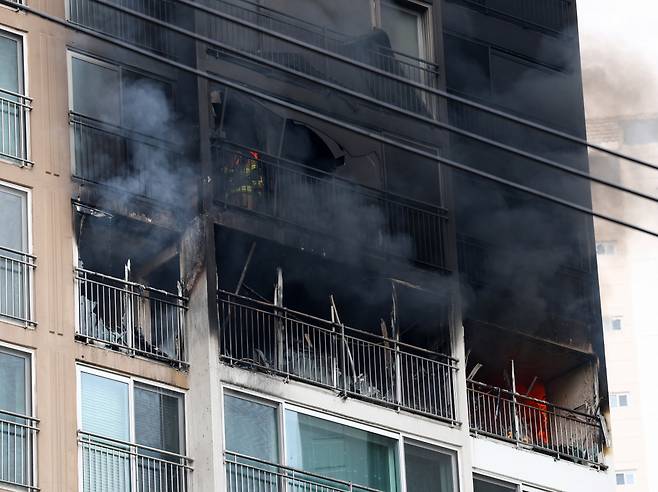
(238, 254)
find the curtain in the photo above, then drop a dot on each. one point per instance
(105, 411)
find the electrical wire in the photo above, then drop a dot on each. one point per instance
(431, 90)
(431, 121)
(364, 132)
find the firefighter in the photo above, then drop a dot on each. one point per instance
(244, 178)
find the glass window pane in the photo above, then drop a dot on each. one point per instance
(13, 219)
(96, 90)
(9, 61)
(158, 418)
(428, 470)
(403, 29)
(251, 428)
(342, 452)
(104, 406)
(14, 376)
(481, 485)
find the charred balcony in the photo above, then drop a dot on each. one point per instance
(398, 357)
(339, 188)
(127, 285)
(535, 394)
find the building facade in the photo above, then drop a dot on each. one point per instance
(241, 252)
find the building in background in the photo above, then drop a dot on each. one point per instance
(618, 46)
(237, 256)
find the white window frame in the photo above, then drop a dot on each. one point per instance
(29, 315)
(130, 380)
(614, 397)
(425, 31)
(30, 354)
(401, 438)
(626, 474)
(25, 82)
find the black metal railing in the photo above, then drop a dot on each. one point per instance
(18, 435)
(550, 15)
(16, 278)
(320, 201)
(120, 158)
(111, 464)
(112, 22)
(356, 363)
(132, 317)
(249, 474)
(538, 424)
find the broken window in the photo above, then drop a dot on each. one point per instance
(127, 281)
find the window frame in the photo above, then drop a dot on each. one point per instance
(400, 437)
(28, 251)
(24, 85)
(615, 397)
(625, 474)
(425, 31)
(130, 381)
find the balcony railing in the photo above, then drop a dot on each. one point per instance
(537, 424)
(116, 157)
(550, 15)
(14, 127)
(131, 317)
(16, 272)
(112, 22)
(321, 202)
(18, 435)
(248, 474)
(356, 363)
(110, 464)
(280, 39)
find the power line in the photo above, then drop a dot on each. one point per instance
(431, 90)
(328, 119)
(450, 128)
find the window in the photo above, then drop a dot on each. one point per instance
(15, 261)
(429, 469)
(625, 477)
(327, 449)
(486, 484)
(130, 427)
(619, 399)
(122, 127)
(406, 24)
(340, 451)
(606, 247)
(17, 429)
(14, 106)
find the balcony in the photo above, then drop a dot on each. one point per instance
(321, 202)
(110, 464)
(246, 474)
(16, 277)
(121, 159)
(18, 434)
(553, 16)
(112, 22)
(131, 317)
(14, 127)
(535, 424)
(274, 339)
